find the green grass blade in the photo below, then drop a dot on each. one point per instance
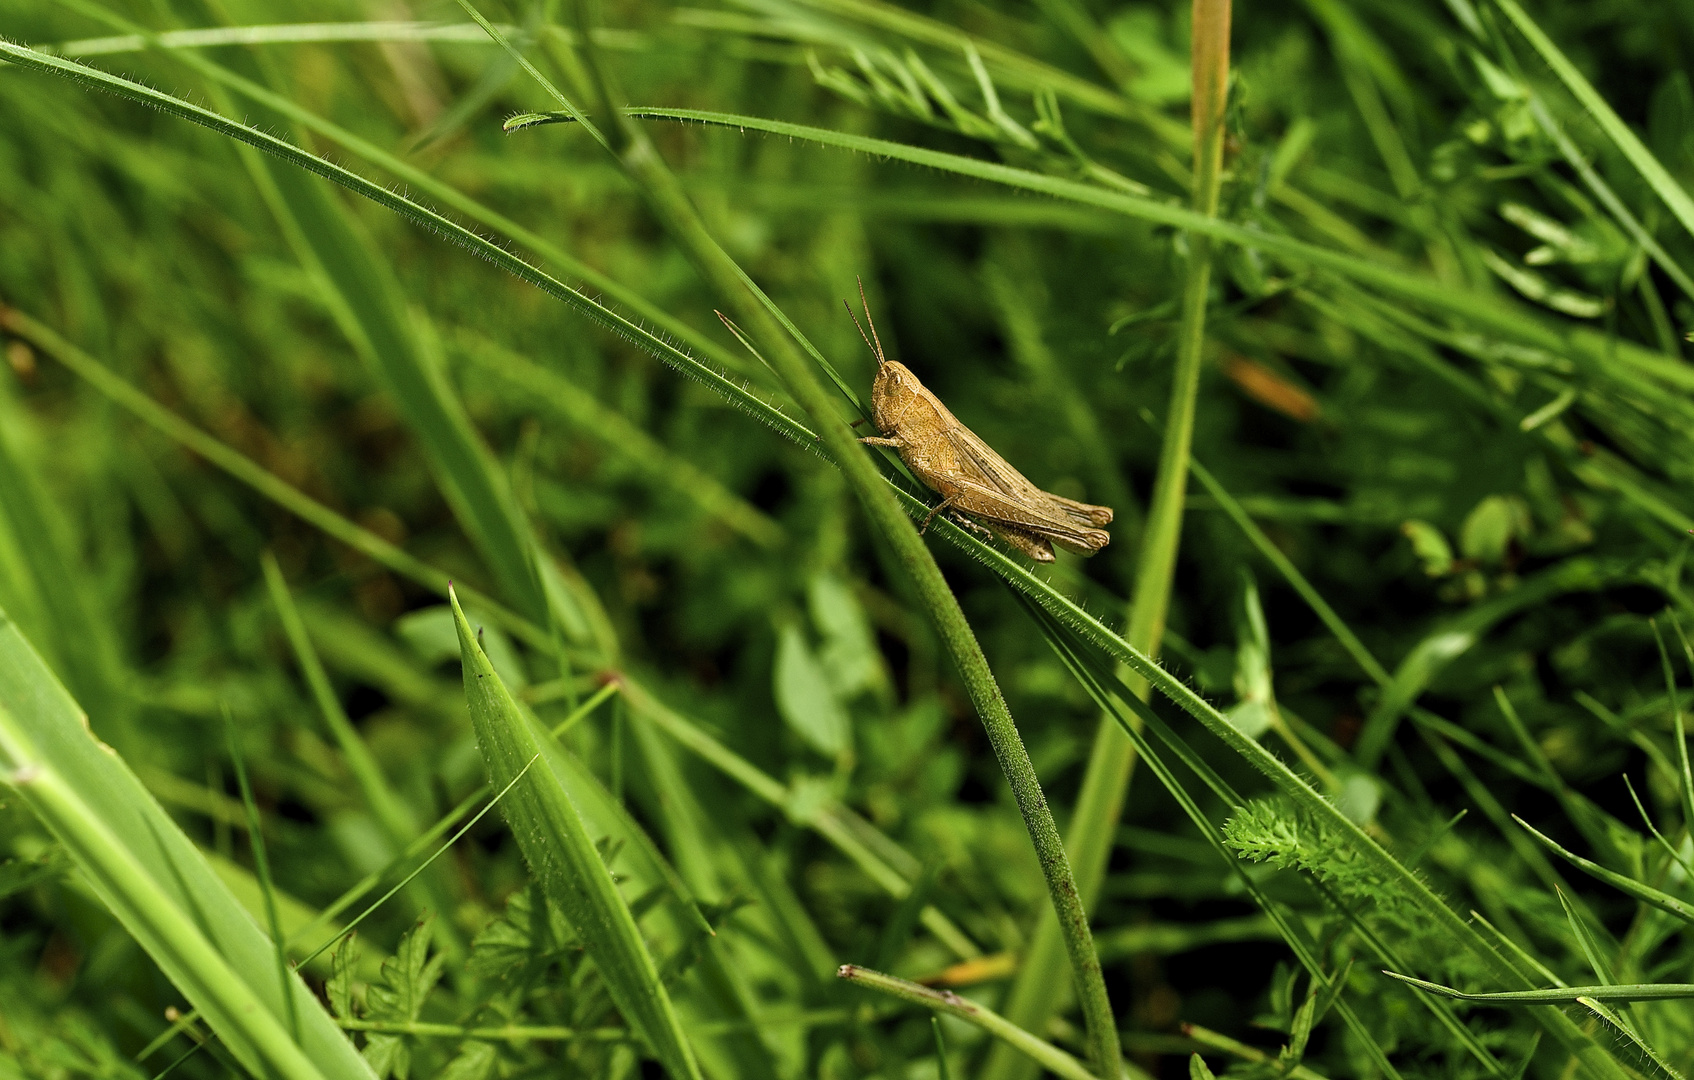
(251, 473)
(1644, 893)
(1562, 995)
(550, 830)
(1494, 312)
(153, 879)
(389, 811)
(80, 645)
(262, 864)
(1684, 772)
(1651, 170)
(553, 392)
(1630, 1036)
(1290, 573)
(272, 34)
(1586, 939)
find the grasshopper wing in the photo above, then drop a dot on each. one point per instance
(1006, 495)
(1001, 510)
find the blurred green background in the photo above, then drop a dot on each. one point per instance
(1482, 509)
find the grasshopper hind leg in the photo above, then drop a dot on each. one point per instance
(1035, 547)
(1027, 543)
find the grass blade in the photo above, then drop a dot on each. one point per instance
(1495, 313)
(256, 837)
(550, 830)
(153, 879)
(389, 811)
(1651, 170)
(1644, 893)
(1560, 995)
(1043, 1053)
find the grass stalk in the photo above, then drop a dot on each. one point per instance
(262, 864)
(1044, 1054)
(1217, 1040)
(1111, 762)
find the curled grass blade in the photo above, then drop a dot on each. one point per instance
(564, 858)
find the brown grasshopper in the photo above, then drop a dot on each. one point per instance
(968, 475)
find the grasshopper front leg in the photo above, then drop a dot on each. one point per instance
(877, 440)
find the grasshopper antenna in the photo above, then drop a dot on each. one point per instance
(876, 349)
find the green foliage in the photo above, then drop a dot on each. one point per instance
(407, 978)
(1425, 633)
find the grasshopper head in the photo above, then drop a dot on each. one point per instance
(894, 383)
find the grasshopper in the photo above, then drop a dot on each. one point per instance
(968, 475)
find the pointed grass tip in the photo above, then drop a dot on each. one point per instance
(535, 119)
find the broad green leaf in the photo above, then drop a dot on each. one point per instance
(474, 1061)
(849, 655)
(339, 988)
(805, 697)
